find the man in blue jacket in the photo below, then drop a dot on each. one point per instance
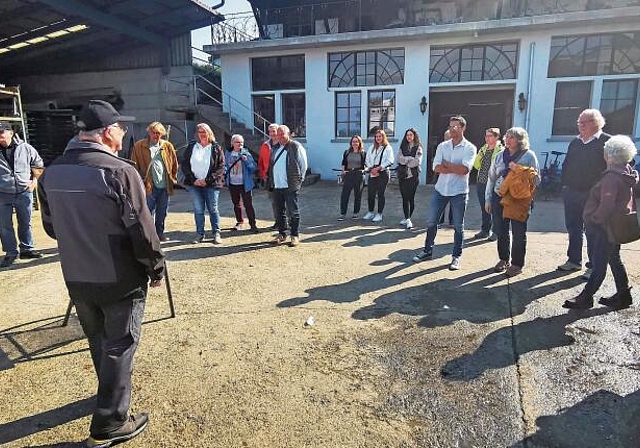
(19, 168)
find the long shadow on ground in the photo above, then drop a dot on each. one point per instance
(497, 351)
(471, 297)
(46, 420)
(603, 419)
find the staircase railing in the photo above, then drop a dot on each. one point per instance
(235, 109)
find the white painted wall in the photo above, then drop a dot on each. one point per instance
(325, 151)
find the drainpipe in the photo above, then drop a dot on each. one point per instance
(220, 5)
(532, 49)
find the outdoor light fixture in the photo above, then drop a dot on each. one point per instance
(423, 105)
(522, 102)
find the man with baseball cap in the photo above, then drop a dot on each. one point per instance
(20, 167)
(94, 204)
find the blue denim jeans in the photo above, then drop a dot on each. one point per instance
(287, 204)
(508, 250)
(205, 197)
(458, 205)
(158, 203)
(486, 217)
(22, 203)
(605, 253)
(574, 202)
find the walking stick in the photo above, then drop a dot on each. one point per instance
(169, 294)
(65, 321)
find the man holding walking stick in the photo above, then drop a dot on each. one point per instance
(94, 204)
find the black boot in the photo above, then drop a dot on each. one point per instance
(581, 301)
(621, 299)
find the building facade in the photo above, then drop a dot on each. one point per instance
(501, 64)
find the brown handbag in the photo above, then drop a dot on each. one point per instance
(624, 228)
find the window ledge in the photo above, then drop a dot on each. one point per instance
(568, 138)
(368, 140)
(561, 138)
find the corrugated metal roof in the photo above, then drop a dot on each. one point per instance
(54, 33)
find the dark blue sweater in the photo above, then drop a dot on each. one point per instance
(584, 164)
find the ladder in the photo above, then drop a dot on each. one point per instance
(11, 108)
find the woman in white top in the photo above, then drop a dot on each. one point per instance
(203, 168)
(378, 161)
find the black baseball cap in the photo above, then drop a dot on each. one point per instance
(5, 126)
(99, 114)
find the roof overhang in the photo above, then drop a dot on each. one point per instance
(29, 27)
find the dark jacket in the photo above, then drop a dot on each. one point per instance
(215, 176)
(612, 195)
(296, 165)
(583, 165)
(94, 204)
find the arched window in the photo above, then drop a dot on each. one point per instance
(601, 54)
(474, 63)
(366, 68)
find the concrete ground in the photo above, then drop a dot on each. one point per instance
(401, 354)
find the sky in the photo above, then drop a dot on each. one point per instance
(202, 36)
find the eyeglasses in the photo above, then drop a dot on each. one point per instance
(123, 127)
(454, 126)
(585, 121)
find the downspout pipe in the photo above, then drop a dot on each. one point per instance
(219, 5)
(527, 117)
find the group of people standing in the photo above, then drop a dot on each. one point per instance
(597, 180)
(207, 168)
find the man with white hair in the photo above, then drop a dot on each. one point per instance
(287, 170)
(582, 167)
(264, 160)
(93, 202)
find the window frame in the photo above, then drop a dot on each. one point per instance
(380, 72)
(578, 108)
(395, 102)
(279, 59)
(634, 98)
(348, 108)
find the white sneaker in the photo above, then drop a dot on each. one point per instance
(403, 222)
(368, 216)
(377, 218)
(455, 264)
(408, 224)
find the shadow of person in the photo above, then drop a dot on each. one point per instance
(58, 445)
(20, 345)
(477, 297)
(502, 347)
(352, 290)
(27, 426)
(603, 419)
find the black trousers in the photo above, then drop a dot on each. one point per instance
(352, 180)
(408, 189)
(113, 331)
(376, 188)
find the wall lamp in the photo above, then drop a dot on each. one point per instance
(423, 105)
(522, 102)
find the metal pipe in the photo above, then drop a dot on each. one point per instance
(532, 49)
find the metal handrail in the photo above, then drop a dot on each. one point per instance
(230, 110)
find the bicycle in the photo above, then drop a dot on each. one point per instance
(551, 175)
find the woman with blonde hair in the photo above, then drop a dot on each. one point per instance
(203, 168)
(378, 161)
(353, 165)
